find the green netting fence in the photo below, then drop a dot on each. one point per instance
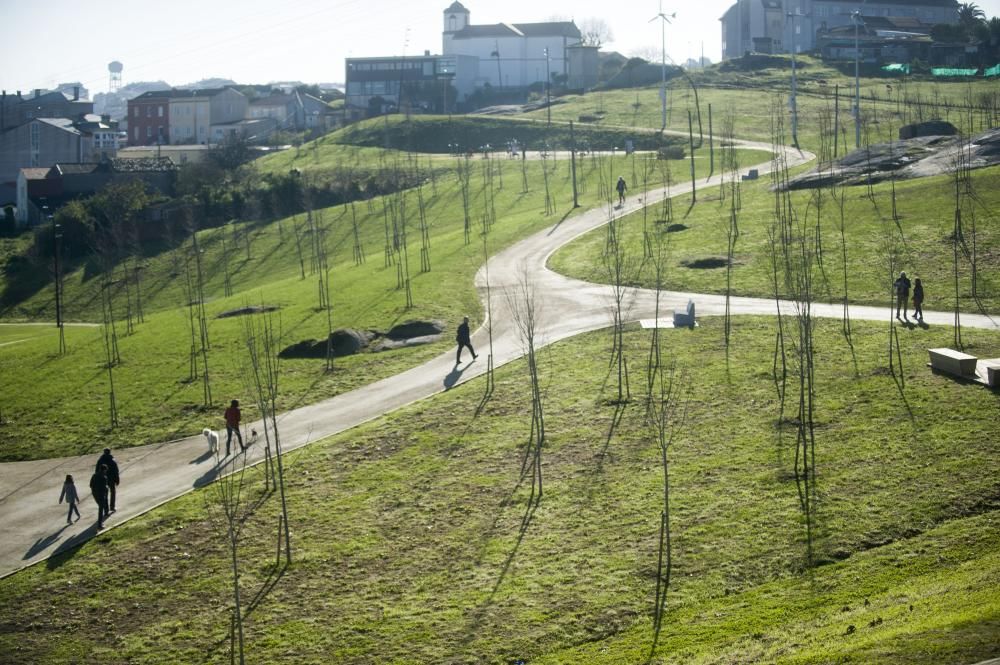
(947, 71)
(992, 71)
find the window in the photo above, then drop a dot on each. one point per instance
(136, 133)
(136, 114)
(35, 141)
(149, 132)
(159, 110)
(149, 111)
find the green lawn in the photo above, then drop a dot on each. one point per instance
(155, 397)
(926, 217)
(413, 540)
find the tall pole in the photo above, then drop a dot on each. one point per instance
(572, 162)
(663, 70)
(548, 89)
(792, 102)
(857, 81)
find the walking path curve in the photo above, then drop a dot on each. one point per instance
(156, 473)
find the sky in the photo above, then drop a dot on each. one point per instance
(260, 41)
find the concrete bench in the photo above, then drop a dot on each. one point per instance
(684, 317)
(953, 362)
(992, 373)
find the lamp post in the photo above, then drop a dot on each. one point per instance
(856, 18)
(548, 89)
(792, 103)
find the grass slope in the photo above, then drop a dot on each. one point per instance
(155, 396)
(926, 210)
(414, 541)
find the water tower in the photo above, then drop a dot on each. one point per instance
(115, 70)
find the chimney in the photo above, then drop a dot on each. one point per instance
(106, 119)
(19, 94)
(76, 93)
(426, 52)
(38, 93)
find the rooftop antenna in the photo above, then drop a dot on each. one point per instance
(665, 19)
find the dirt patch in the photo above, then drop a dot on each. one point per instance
(708, 263)
(244, 311)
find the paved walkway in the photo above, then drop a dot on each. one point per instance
(156, 473)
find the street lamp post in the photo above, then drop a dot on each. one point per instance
(856, 18)
(548, 88)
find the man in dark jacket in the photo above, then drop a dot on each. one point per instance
(111, 471)
(902, 287)
(99, 488)
(463, 339)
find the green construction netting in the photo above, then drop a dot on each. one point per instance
(897, 69)
(992, 71)
(944, 71)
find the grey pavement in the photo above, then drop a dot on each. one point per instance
(155, 473)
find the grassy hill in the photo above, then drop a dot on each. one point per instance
(414, 540)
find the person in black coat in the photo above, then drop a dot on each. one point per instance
(918, 299)
(902, 288)
(107, 460)
(463, 339)
(99, 488)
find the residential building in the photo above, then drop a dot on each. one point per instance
(193, 113)
(16, 110)
(63, 182)
(42, 142)
(510, 55)
(780, 26)
(149, 117)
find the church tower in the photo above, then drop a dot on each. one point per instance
(456, 17)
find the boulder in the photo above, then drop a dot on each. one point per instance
(345, 342)
(929, 128)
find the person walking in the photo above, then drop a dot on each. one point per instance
(108, 461)
(902, 287)
(621, 187)
(99, 489)
(233, 417)
(463, 338)
(69, 493)
(918, 299)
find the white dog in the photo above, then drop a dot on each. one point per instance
(213, 439)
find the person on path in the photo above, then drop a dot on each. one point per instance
(99, 488)
(902, 287)
(233, 417)
(72, 498)
(114, 478)
(463, 339)
(621, 187)
(918, 299)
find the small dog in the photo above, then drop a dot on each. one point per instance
(213, 439)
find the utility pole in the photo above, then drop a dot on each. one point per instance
(57, 250)
(793, 105)
(572, 162)
(663, 61)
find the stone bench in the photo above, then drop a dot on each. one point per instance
(992, 373)
(684, 318)
(953, 362)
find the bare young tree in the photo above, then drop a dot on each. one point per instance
(524, 311)
(621, 268)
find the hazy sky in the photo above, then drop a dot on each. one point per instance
(258, 41)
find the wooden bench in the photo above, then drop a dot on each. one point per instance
(953, 362)
(684, 318)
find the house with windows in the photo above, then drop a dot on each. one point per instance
(786, 25)
(41, 142)
(17, 109)
(164, 117)
(149, 118)
(417, 82)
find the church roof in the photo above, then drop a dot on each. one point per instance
(549, 29)
(456, 7)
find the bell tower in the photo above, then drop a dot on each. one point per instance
(456, 17)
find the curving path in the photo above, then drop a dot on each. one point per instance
(156, 473)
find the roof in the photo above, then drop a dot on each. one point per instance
(180, 94)
(550, 29)
(456, 7)
(65, 124)
(274, 100)
(75, 169)
(35, 173)
(921, 3)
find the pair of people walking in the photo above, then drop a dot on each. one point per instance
(902, 289)
(103, 487)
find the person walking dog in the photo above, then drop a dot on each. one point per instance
(233, 417)
(464, 340)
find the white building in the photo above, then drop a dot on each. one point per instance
(511, 55)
